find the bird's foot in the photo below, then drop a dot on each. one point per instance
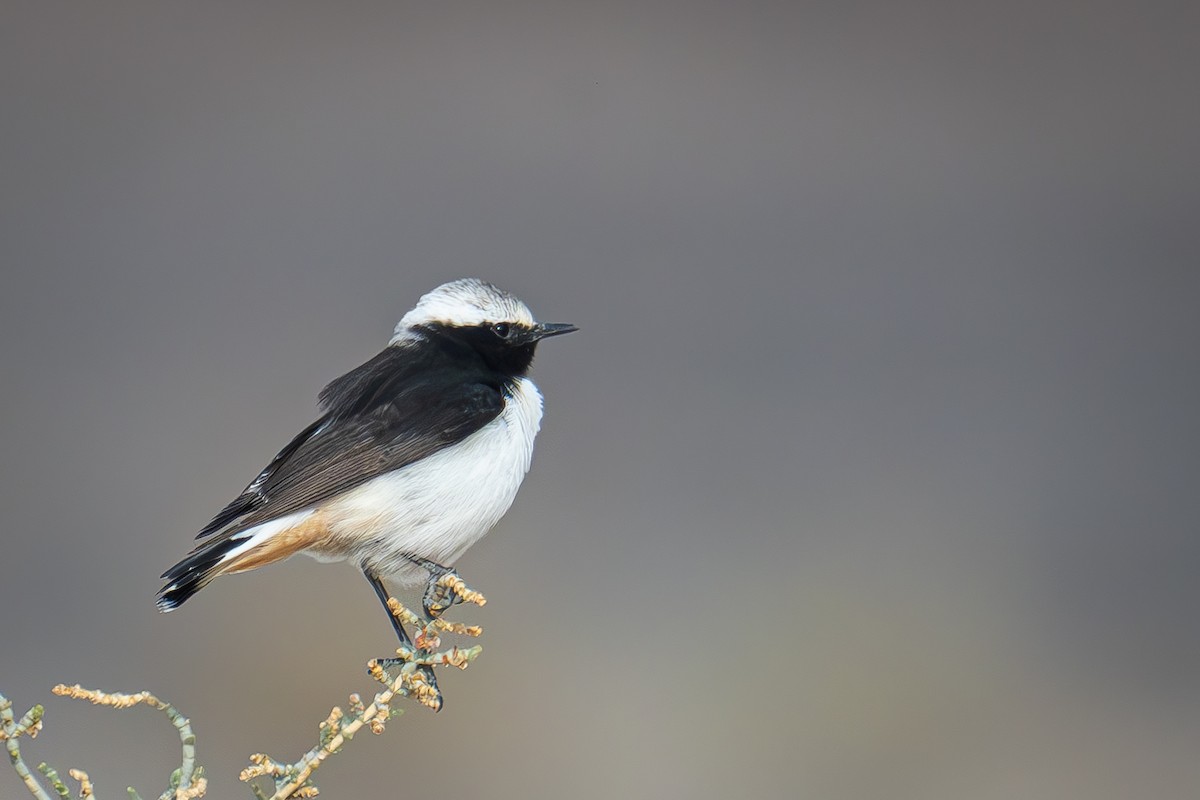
(441, 591)
(416, 657)
(420, 684)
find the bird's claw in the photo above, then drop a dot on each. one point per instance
(438, 599)
(431, 697)
(438, 595)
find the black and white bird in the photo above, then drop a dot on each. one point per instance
(418, 453)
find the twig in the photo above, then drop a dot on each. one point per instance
(85, 783)
(295, 780)
(188, 782)
(29, 724)
(290, 780)
(51, 774)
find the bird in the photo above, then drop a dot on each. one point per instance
(416, 455)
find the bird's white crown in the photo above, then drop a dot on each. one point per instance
(464, 303)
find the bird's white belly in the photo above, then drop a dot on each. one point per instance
(439, 506)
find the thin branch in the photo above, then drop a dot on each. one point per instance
(412, 679)
(10, 731)
(295, 779)
(188, 783)
(51, 774)
(85, 783)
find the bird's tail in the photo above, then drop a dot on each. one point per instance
(246, 549)
(194, 572)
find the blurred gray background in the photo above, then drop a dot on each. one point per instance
(871, 473)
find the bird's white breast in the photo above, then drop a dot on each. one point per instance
(439, 506)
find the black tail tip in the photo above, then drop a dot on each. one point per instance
(175, 594)
(167, 602)
(192, 574)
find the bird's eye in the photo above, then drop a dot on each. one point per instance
(501, 329)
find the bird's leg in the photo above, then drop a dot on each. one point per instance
(390, 661)
(382, 593)
(437, 598)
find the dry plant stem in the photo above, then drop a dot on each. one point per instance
(190, 784)
(455, 585)
(51, 774)
(85, 783)
(291, 780)
(294, 780)
(372, 716)
(313, 758)
(10, 730)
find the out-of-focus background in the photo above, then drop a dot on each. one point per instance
(872, 471)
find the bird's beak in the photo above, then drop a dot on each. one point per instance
(545, 329)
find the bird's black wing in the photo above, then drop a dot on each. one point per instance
(388, 413)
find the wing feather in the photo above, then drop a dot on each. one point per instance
(384, 415)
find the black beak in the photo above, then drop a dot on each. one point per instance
(545, 329)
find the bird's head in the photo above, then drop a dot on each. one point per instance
(488, 319)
